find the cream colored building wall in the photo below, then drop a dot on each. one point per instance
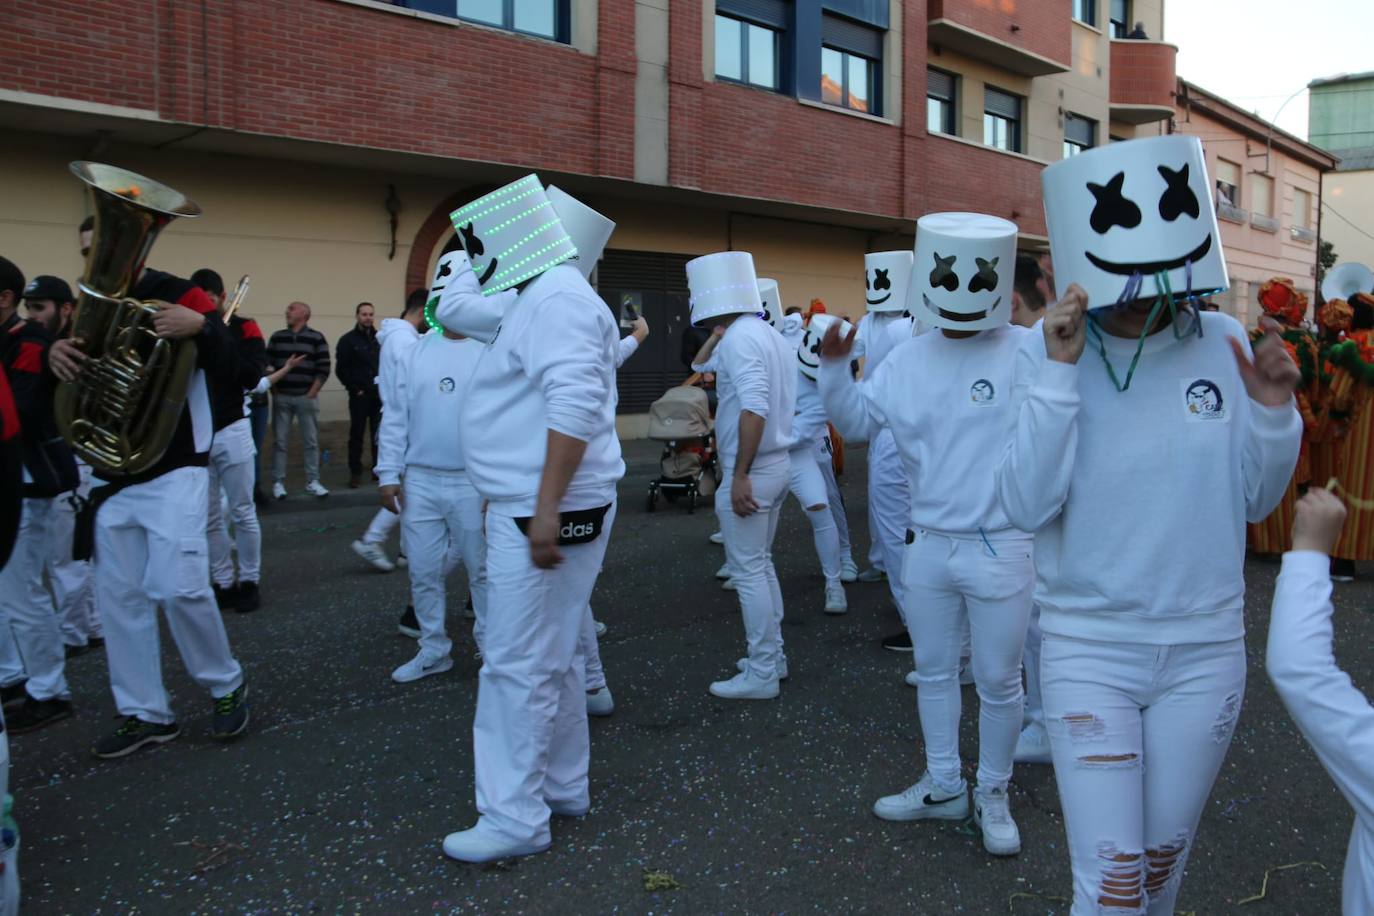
(1351, 195)
(305, 232)
(1083, 91)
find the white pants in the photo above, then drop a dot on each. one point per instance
(808, 484)
(889, 508)
(1138, 733)
(150, 551)
(529, 737)
(441, 515)
(27, 609)
(953, 583)
(825, 460)
(380, 528)
(72, 585)
(232, 457)
(1035, 701)
(749, 551)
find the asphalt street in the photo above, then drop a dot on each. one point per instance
(338, 798)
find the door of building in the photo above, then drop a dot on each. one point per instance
(656, 284)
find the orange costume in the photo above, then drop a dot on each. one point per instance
(1351, 364)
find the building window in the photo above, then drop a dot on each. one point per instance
(544, 18)
(1002, 120)
(1302, 209)
(1085, 11)
(940, 108)
(1228, 183)
(747, 52)
(1261, 195)
(1120, 19)
(1079, 134)
(850, 73)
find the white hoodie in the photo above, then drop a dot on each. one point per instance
(1138, 499)
(757, 372)
(1332, 714)
(396, 336)
(420, 424)
(551, 366)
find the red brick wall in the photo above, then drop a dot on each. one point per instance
(1042, 26)
(1143, 73)
(967, 177)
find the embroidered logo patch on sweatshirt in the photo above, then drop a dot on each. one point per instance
(1203, 401)
(982, 393)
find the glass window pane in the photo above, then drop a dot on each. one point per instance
(488, 11)
(935, 116)
(989, 130)
(858, 84)
(729, 53)
(536, 17)
(832, 76)
(763, 70)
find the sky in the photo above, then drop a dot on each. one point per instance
(1258, 53)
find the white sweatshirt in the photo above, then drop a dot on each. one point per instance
(625, 349)
(550, 367)
(1138, 499)
(420, 424)
(948, 405)
(1330, 711)
(876, 338)
(395, 336)
(755, 371)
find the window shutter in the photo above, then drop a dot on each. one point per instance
(1079, 130)
(850, 36)
(940, 85)
(1002, 103)
(772, 13)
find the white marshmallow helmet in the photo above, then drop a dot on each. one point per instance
(455, 294)
(723, 284)
(772, 302)
(886, 275)
(589, 230)
(809, 350)
(962, 275)
(512, 235)
(1124, 215)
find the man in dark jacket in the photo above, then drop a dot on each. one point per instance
(356, 360)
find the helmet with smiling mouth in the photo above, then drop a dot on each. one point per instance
(962, 276)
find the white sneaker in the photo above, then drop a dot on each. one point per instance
(374, 554)
(315, 488)
(923, 801)
(599, 702)
(1033, 746)
(599, 627)
(478, 845)
(728, 585)
(723, 572)
(279, 490)
(911, 679)
(421, 665)
(718, 538)
(401, 561)
(872, 574)
(992, 814)
(835, 602)
(743, 663)
(849, 570)
(744, 686)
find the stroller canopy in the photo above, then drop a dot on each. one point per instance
(682, 413)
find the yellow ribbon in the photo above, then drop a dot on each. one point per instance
(1334, 486)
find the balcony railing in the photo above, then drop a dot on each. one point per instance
(1143, 81)
(1231, 212)
(1303, 234)
(1032, 38)
(1264, 223)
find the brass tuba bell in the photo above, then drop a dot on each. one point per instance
(121, 412)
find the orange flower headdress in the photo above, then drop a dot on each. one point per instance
(1280, 298)
(1335, 315)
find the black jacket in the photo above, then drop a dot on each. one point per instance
(226, 394)
(356, 358)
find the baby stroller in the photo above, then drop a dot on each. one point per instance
(682, 420)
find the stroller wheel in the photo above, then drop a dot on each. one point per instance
(653, 500)
(692, 502)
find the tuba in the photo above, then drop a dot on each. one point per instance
(120, 413)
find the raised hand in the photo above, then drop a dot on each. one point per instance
(835, 347)
(1066, 325)
(1273, 376)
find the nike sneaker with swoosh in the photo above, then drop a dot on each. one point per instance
(924, 801)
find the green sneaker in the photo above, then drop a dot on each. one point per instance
(231, 715)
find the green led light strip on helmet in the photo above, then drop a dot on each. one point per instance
(430, 318)
(502, 281)
(499, 226)
(522, 186)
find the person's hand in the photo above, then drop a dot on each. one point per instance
(66, 359)
(640, 329)
(393, 500)
(718, 331)
(742, 496)
(708, 378)
(835, 347)
(1321, 515)
(543, 534)
(1272, 378)
(312, 394)
(1066, 326)
(177, 322)
(294, 360)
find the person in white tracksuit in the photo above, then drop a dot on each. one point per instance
(1333, 715)
(964, 560)
(438, 505)
(550, 367)
(757, 380)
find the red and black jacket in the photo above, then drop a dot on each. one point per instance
(11, 469)
(226, 394)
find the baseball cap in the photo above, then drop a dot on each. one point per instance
(11, 277)
(44, 286)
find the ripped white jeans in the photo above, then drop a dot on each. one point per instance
(1138, 733)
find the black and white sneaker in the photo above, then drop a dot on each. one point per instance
(13, 694)
(132, 735)
(409, 625)
(226, 596)
(231, 715)
(898, 642)
(33, 714)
